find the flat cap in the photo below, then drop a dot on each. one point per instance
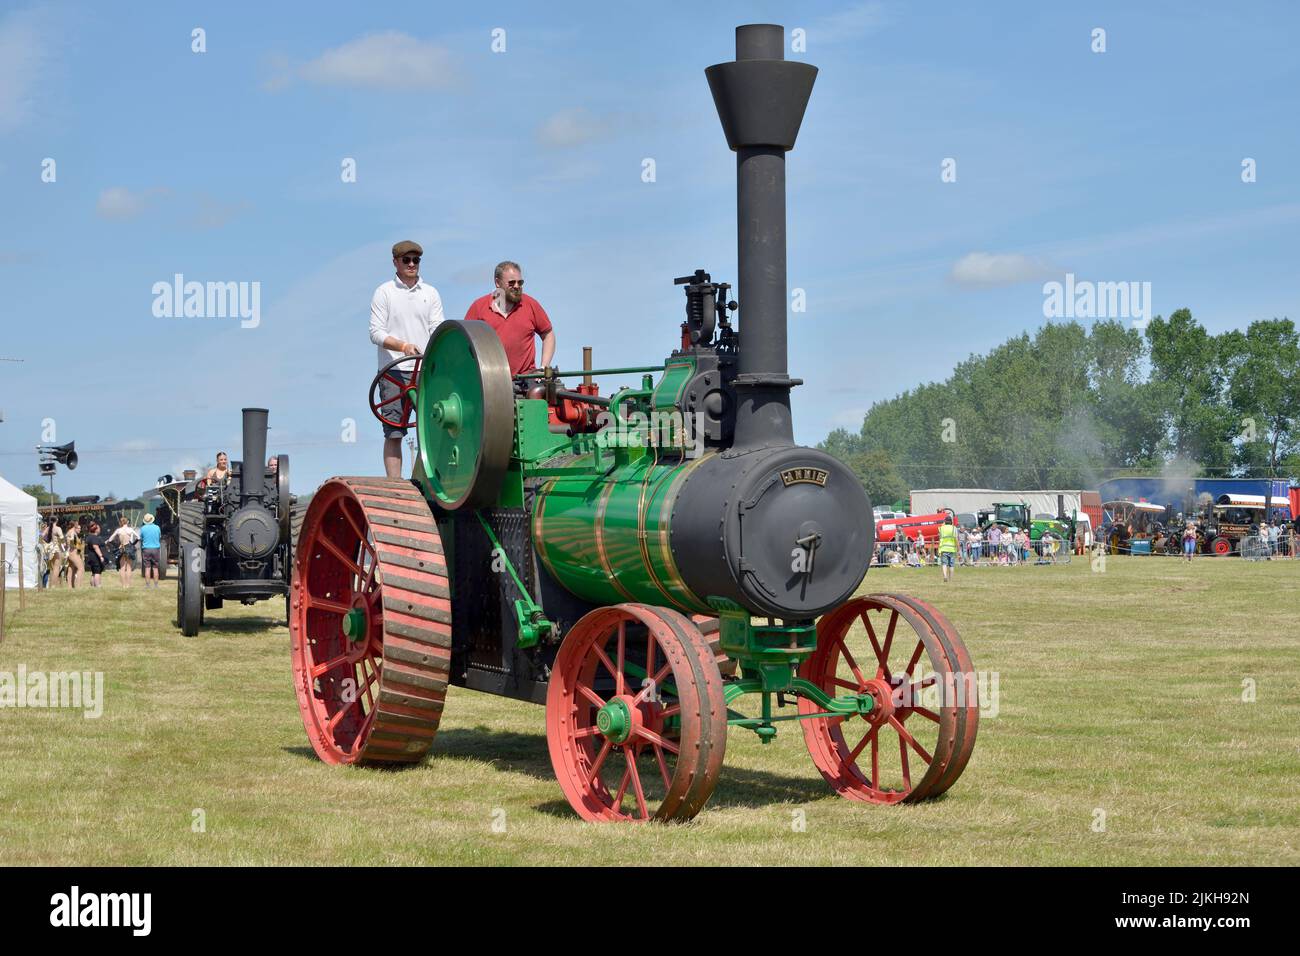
(406, 247)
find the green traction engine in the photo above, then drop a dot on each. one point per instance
(654, 565)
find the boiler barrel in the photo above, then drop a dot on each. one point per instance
(718, 526)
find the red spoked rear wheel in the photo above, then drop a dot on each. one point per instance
(636, 721)
(398, 408)
(370, 622)
(918, 737)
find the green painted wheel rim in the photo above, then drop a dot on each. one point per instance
(464, 414)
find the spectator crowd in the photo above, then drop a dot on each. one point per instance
(78, 555)
(993, 546)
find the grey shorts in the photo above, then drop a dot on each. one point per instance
(388, 390)
(149, 556)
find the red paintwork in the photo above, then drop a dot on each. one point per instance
(1090, 504)
(577, 415)
(924, 527)
(403, 415)
(658, 772)
(933, 748)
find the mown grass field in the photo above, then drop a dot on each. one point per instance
(1119, 692)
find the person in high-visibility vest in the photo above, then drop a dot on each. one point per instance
(947, 547)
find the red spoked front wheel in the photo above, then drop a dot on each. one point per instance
(392, 391)
(370, 621)
(636, 721)
(918, 736)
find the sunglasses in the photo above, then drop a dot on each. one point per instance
(411, 260)
(516, 282)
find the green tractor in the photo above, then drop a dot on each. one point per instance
(1014, 516)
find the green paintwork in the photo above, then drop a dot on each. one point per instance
(601, 525)
(1015, 515)
(614, 721)
(534, 439)
(677, 375)
(604, 534)
(632, 370)
(354, 624)
(768, 656)
(449, 416)
(533, 442)
(533, 625)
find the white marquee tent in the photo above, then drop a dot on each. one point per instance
(18, 510)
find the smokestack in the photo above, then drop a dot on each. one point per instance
(761, 98)
(252, 474)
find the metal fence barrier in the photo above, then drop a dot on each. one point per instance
(908, 553)
(1256, 547)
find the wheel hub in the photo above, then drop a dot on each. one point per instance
(882, 700)
(355, 626)
(447, 413)
(615, 720)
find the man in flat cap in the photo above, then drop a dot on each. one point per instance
(403, 313)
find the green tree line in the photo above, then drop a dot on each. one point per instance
(1069, 407)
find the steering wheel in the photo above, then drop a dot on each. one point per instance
(399, 410)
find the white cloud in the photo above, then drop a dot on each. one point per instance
(196, 211)
(213, 213)
(571, 128)
(998, 268)
(24, 55)
(379, 61)
(120, 203)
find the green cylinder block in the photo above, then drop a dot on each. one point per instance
(605, 537)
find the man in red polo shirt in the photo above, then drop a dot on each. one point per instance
(516, 318)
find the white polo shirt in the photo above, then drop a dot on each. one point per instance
(409, 313)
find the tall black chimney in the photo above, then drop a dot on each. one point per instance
(252, 475)
(761, 98)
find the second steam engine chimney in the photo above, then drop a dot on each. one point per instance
(252, 475)
(761, 98)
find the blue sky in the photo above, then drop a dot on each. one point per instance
(225, 166)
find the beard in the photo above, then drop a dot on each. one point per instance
(514, 296)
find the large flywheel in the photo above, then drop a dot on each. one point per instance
(370, 622)
(465, 412)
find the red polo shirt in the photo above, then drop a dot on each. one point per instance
(515, 330)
